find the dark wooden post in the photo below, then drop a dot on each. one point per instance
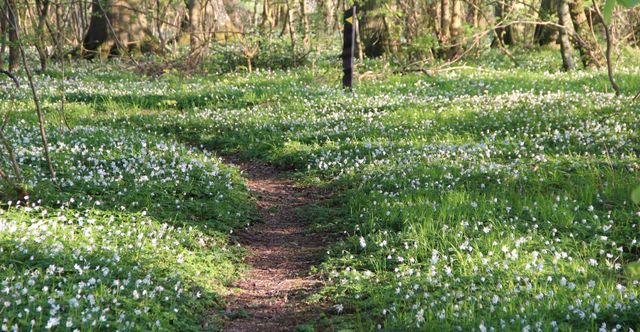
(348, 48)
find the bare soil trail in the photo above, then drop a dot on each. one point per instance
(281, 252)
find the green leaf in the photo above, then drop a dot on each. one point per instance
(629, 3)
(632, 271)
(635, 195)
(607, 12)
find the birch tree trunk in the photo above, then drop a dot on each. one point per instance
(306, 25)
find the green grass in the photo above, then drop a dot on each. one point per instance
(471, 200)
(134, 236)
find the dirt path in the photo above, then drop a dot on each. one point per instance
(281, 253)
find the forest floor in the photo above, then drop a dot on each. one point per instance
(487, 198)
(281, 252)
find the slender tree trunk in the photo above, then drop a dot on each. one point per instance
(254, 17)
(60, 28)
(3, 33)
(338, 11)
(610, 41)
(13, 25)
(359, 43)
(283, 17)
(195, 28)
(267, 17)
(615, 86)
(475, 14)
(456, 29)
(445, 22)
(329, 15)
(306, 25)
(564, 19)
(292, 29)
(159, 14)
(587, 44)
(504, 35)
(42, 9)
(409, 12)
(545, 34)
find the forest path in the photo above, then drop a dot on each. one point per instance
(281, 252)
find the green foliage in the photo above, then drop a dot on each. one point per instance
(635, 196)
(632, 271)
(134, 238)
(610, 4)
(273, 53)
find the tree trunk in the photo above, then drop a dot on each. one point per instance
(503, 33)
(115, 27)
(13, 28)
(42, 9)
(564, 19)
(373, 30)
(292, 30)
(254, 16)
(267, 23)
(475, 14)
(409, 12)
(359, 49)
(195, 24)
(445, 22)
(456, 29)
(3, 33)
(306, 25)
(58, 35)
(329, 13)
(545, 34)
(587, 45)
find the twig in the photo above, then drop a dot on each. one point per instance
(12, 77)
(607, 33)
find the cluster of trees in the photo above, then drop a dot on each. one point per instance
(449, 28)
(416, 30)
(100, 28)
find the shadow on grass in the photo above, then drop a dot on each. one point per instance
(66, 271)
